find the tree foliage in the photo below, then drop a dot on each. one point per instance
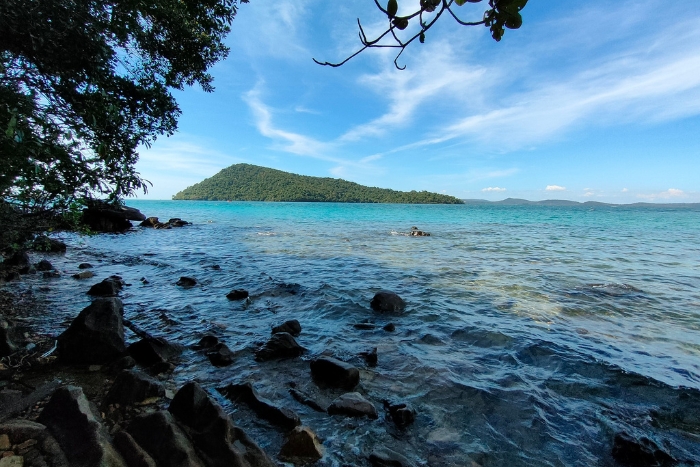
(84, 83)
(500, 15)
(245, 182)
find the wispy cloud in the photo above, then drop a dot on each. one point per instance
(555, 188)
(671, 193)
(493, 189)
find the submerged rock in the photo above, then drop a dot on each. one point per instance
(186, 282)
(247, 394)
(220, 355)
(238, 294)
(152, 351)
(641, 452)
(385, 301)
(44, 265)
(354, 405)
(206, 342)
(85, 266)
(302, 446)
(292, 327)
(402, 414)
(329, 371)
(281, 345)
(418, 233)
(109, 287)
(383, 457)
(370, 357)
(84, 275)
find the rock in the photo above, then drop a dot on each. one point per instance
(96, 336)
(123, 363)
(151, 351)
(335, 373)
(418, 233)
(218, 441)
(85, 266)
(385, 301)
(238, 294)
(247, 394)
(383, 457)
(159, 435)
(133, 454)
(5, 443)
(306, 400)
(370, 357)
(44, 265)
(206, 342)
(177, 222)
(18, 262)
(51, 275)
(301, 447)
(220, 355)
(291, 327)
(281, 345)
(109, 287)
(389, 327)
(132, 386)
(364, 326)
(50, 245)
(402, 414)
(641, 452)
(85, 275)
(186, 282)
(149, 222)
(216, 267)
(12, 461)
(70, 419)
(7, 347)
(353, 405)
(106, 218)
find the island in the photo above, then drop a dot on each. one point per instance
(247, 182)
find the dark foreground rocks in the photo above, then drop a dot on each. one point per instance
(246, 393)
(328, 371)
(302, 446)
(642, 452)
(386, 301)
(108, 218)
(353, 404)
(154, 223)
(109, 287)
(280, 345)
(291, 327)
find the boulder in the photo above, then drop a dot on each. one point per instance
(152, 351)
(291, 327)
(149, 222)
(220, 355)
(354, 405)
(85, 275)
(133, 454)
(44, 265)
(281, 345)
(383, 457)
(85, 266)
(265, 409)
(385, 301)
(71, 420)
(402, 414)
(47, 244)
(186, 282)
(177, 222)
(331, 372)
(23, 432)
(642, 452)
(7, 347)
(238, 294)
(163, 440)
(206, 342)
(302, 446)
(109, 287)
(390, 327)
(18, 262)
(133, 386)
(106, 219)
(370, 357)
(418, 233)
(96, 336)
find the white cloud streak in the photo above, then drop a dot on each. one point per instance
(493, 189)
(555, 188)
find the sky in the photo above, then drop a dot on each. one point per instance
(594, 100)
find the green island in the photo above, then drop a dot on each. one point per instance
(246, 182)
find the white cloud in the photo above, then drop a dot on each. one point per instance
(555, 188)
(372, 158)
(493, 189)
(625, 190)
(588, 194)
(668, 194)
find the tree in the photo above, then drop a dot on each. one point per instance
(501, 14)
(84, 83)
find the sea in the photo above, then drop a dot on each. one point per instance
(532, 335)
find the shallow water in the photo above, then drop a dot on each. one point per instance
(532, 334)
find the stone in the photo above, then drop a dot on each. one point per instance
(44, 265)
(12, 461)
(641, 452)
(402, 414)
(51, 245)
(150, 351)
(206, 342)
(418, 233)
(385, 301)
(133, 386)
(69, 417)
(303, 398)
(163, 440)
(370, 357)
(292, 327)
(177, 222)
(85, 275)
(354, 405)
(364, 326)
(281, 345)
(302, 446)
(85, 266)
(186, 282)
(216, 267)
(390, 327)
(149, 222)
(331, 372)
(133, 454)
(220, 355)
(106, 220)
(5, 443)
(237, 294)
(19, 262)
(265, 409)
(383, 457)
(7, 347)
(96, 336)
(51, 275)
(109, 287)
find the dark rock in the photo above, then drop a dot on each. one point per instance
(418, 233)
(105, 218)
(149, 222)
(22, 431)
(302, 446)
(70, 418)
(216, 267)
(383, 457)
(177, 222)
(84, 275)
(18, 262)
(109, 287)
(218, 441)
(335, 373)
(159, 435)
(51, 275)
(238, 294)
(385, 301)
(96, 336)
(123, 363)
(306, 400)
(641, 452)
(51, 245)
(44, 265)
(150, 351)
(370, 357)
(354, 405)
(291, 327)
(281, 345)
(133, 386)
(389, 327)
(364, 326)
(133, 454)
(7, 347)
(220, 355)
(132, 214)
(247, 394)
(186, 282)
(402, 414)
(206, 342)
(85, 266)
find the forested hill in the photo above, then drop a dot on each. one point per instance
(245, 182)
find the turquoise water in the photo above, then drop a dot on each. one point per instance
(532, 334)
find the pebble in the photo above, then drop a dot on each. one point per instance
(5, 443)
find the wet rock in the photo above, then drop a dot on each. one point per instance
(238, 294)
(133, 386)
(186, 282)
(354, 405)
(51, 275)
(177, 222)
(383, 457)
(220, 355)
(149, 222)
(641, 452)
(44, 265)
(306, 400)
(163, 440)
(385, 301)
(389, 327)
(281, 345)
(150, 351)
(216, 267)
(302, 446)
(70, 418)
(12, 461)
(7, 347)
(51, 245)
(247, 394)
(402, 414)
(335, 373)
(370, 357)
(85, 266)
(101, 216)
(291, 327)
(5, 443)
(418, 233)
(364, 326)
(109, 287)
(124, 363)
(218, 441)
(206, 342)
(18, 262)
(96, 336)
(133, 454)
(84, 275)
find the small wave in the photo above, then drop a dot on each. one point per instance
(267, 234)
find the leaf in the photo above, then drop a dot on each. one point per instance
(392, 8)
(421, 38)
(11, 127)
(460, 2)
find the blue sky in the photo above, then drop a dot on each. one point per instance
(594, 100)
